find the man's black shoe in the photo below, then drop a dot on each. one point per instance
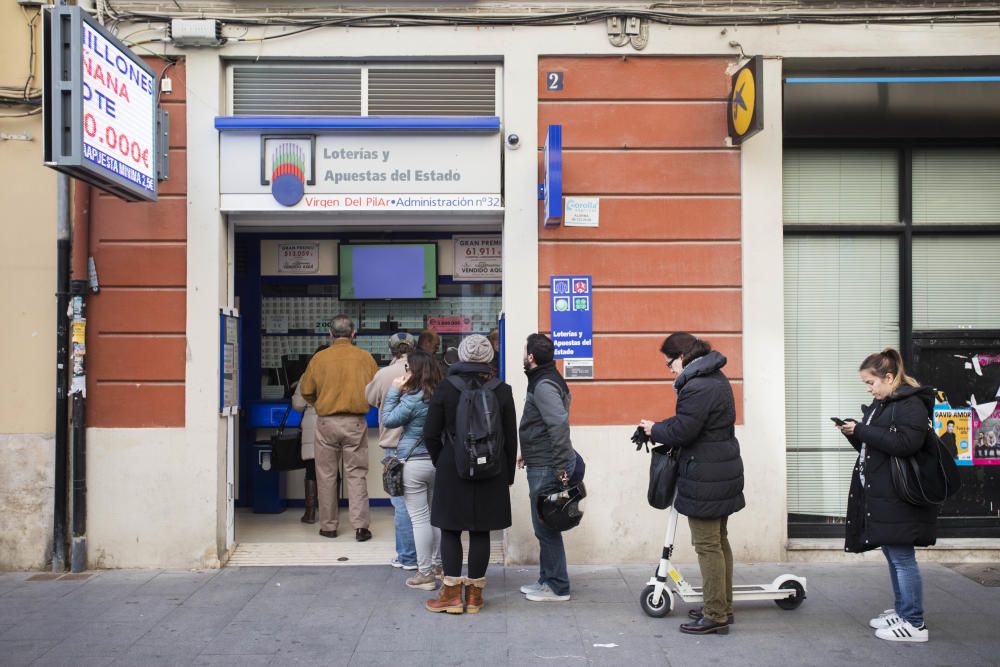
(362, 535)
(698, 613)
(328, 533)
(704, 626)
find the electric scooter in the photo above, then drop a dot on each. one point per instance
(657, 600)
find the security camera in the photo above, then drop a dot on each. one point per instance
(513, 141)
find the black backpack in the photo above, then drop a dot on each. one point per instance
(478, 438)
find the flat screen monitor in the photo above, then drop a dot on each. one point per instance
(388, 271)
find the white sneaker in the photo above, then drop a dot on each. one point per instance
(545, 594)
(903, 632)
(886, 619)
(527, 589)
(396, 563)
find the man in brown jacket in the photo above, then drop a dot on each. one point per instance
(334, 383)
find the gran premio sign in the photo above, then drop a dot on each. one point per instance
(100, 107)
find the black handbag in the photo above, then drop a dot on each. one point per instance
(929, 477)
(392, 473)
(286, 447)
(663, 471)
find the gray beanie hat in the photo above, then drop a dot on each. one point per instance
(476, 349)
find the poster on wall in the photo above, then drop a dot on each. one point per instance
(298, 258)
(986, 438)
(954, 427)
(478, 258)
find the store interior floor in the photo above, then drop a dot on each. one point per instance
(282, 540)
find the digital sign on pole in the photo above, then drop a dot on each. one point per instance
(100, 107)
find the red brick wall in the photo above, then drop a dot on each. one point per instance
(646, 134)
(136, 324)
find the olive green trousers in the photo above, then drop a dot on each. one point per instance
(715, 560)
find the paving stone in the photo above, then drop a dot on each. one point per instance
(189, 624)
(234, 660)
(24, 651)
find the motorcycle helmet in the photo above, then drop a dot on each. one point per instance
(561, 511)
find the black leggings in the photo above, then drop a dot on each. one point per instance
(451, 552)
(310, 470)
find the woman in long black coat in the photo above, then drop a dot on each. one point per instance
(710, 471)
(895, 424)
(466, 505)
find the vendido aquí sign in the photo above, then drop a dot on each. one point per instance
(361, 171)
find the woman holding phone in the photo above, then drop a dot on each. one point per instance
(895, 424)
(406, 406)
(710, 472)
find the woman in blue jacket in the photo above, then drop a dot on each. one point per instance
(710, 473)
(406, 405)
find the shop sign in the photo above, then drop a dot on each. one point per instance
(552, 185)
(578, 369)
(298, 258)
(450, 325)
(582, 212)
(746, 106)
(572, 317)
(338, 171)
(100, 107)
(478, 258)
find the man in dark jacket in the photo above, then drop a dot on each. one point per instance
(547, 452)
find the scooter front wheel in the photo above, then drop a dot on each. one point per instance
(793, 601)
(663, 607)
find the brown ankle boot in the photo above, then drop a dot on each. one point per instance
(449, 598)
(474, 594)
(310, 515)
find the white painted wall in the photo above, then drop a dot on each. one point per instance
(619, 527)
(151, 499)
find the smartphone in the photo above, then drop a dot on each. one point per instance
(838, 421)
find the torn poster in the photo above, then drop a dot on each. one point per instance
(986, 437)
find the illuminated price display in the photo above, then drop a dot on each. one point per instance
(119, 97)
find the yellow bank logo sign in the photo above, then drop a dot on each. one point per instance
(746, 113)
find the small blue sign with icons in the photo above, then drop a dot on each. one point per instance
(572, 317)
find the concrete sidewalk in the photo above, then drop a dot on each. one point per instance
(366, 616)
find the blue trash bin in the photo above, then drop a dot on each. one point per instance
(266, 481)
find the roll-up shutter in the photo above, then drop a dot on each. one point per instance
(296, 90)
(440, 91)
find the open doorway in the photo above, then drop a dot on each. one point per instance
(288, 286)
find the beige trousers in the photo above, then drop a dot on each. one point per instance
(342, 437)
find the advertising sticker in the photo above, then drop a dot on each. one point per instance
(478, 258)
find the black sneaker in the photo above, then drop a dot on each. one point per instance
(328, 533)
(362, 534)
(700, 612)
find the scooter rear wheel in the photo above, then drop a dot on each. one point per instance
(664, 607)
(794, 601)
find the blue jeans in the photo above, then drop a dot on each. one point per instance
(552, 560)
(907, 586)
(406, 548)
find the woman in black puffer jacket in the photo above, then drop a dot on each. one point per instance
(710, 480)
(895, 424)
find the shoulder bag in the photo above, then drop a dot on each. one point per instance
(392, 473)
(286, 447)
(663, 470)
(929, 477)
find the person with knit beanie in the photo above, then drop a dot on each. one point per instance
(477, 506)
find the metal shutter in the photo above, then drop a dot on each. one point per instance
(296, 90)
(431, 91)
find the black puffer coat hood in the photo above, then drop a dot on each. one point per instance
(710, 481)
(876, 515)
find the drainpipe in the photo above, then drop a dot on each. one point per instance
(78, 388)
(62, 342)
